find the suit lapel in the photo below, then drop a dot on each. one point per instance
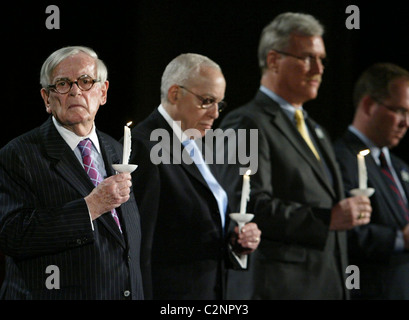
(64, 161)
(66, 164)
(110, 157)
(288, 129)
(192, 169)
(328, 154)
(403, 175)
(175, 145)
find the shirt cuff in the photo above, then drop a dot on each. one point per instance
(399, 241)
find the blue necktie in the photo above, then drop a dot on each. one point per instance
(218, 192)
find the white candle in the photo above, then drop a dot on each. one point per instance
(245, 192)
(127, 143)
(362, 172)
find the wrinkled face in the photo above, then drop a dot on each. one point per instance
(299, 74)
(389, 118)
(77, 108)
(210, 84)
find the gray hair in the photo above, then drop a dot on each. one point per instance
(58, 56)
(276, 35)
(182, 69)
(376, 81)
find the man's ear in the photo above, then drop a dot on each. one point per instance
(173, 94)
(271, 60)
(45, 96)
(366, 104)
(104, 91)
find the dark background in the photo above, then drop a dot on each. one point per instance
(137, 40)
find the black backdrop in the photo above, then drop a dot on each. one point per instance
(137, 40)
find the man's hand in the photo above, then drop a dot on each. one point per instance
(351, 212)
(109, 194)
(247, 240)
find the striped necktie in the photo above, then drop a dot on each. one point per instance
(389, 179)
(299, 119)
(92, 171)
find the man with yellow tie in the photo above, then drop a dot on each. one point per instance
(297, 192)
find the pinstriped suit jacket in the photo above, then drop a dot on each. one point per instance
(44, 221)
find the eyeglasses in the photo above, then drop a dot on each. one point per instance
(307, 60)
(207, 103)
(64, 85)
(399, 111)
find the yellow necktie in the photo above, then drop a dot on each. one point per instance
(299, 118)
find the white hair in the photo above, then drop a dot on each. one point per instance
(183, 68)
(58, 56)
(276, 35)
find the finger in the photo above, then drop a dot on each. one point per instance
(249, 241)
(122, 177)
(247, 234)
(364, 221)
(364, 199)
(250, 228)
(120, 200)
(124, 185)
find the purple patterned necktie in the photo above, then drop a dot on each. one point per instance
(89, 166)
(393, 186)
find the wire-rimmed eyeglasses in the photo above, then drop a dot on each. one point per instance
(399, 111)
(207, 103)
(307, 60)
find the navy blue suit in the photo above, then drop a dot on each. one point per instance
(384, 273)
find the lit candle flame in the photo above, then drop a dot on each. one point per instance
(248, 172)
(129, 123)
(364, 152)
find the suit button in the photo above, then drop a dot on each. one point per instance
(79, 241)
(127, 293)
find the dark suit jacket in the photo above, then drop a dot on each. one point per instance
(291, 197)
(384, 274)
(184, 253)
(44, 221)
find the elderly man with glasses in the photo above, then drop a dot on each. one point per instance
(187, 243)
(69, 225)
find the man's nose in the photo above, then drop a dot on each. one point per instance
(213, 111)
(75, 88)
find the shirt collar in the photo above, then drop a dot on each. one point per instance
(72, 139)
(175, 125)
(375, 151)
(287, 107)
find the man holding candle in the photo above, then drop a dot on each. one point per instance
(52, 217)
(296, 193)
(187, 243)
(380, 248)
